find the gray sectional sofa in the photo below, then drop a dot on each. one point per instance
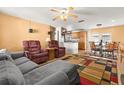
(16, 69)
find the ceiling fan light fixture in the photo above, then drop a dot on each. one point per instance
(67, 11)
(65, 17)
(62, 17)
(63, 11)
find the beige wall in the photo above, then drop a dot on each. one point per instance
(14, 30)
(117, 32)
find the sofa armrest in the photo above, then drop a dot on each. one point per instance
(4, 56)
(62, 47)
(58, 78)
(44, 50)
(16, 55)
(27, 53)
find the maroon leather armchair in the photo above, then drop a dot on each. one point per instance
(33, 51)
(59, 51)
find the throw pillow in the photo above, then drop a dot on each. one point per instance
(3, 50)
(5, 55)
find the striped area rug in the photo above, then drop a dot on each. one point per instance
(95, 71)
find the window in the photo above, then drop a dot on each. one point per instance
(96, 38)
(106, 38)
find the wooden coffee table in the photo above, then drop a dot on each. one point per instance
(51, 53)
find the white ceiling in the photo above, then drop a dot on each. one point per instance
(107, 16)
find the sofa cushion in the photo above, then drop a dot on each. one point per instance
(27, 66)
(10, 74)
(61, 50)
(36, 75)
(61, 65)
(17, 54)
(21, 60)
(42, 72)
(57, 78)
(41, 54)
(33, 51)
(65, 66)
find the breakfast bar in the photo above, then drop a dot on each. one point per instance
(71, 47)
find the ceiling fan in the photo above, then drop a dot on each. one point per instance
(64, 13)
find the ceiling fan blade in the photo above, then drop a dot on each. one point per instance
(81, 21)
(70, 8)
(55, 18)
(55, 10)
(72, 15)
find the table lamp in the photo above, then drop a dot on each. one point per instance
(47, 40)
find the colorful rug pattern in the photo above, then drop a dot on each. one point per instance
(94, 71)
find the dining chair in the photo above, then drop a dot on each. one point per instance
(116, 46)
(93, 47)
(121, 54)
(109, 50)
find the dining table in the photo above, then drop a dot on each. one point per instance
(101, 49)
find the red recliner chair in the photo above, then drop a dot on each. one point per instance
(33, 51)
(59, 51)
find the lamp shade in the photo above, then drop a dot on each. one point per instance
(47, 39)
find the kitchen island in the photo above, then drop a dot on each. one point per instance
(71, 47)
